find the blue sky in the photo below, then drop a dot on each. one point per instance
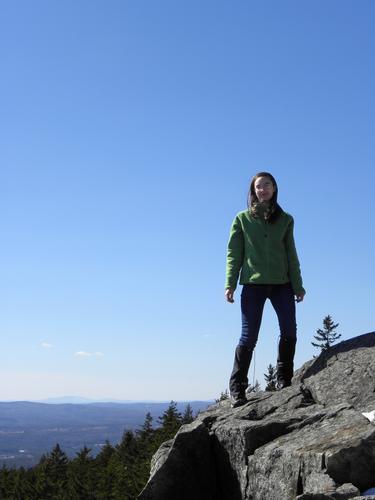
(129, 133)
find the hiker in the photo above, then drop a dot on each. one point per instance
(262, 253)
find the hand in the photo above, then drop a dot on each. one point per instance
(229, 295)
(300, 297)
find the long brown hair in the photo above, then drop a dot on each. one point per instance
(274, 209)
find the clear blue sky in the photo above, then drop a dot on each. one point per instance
(129, 133)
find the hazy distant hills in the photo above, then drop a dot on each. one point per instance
(79, 400)
(29, 429)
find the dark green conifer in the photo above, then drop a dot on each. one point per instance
(22, 488)
(146, 431)
(188, 416)
(81, 478)
(170, 421)
(271, 378)
(326, 336)
(51, 480)
(5, 481)
(103, 458)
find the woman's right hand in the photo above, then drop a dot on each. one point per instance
(229, 292)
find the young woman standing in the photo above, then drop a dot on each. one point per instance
(262, 253)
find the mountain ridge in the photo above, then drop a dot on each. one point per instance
(36, 427)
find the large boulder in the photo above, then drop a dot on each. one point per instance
(308, 441)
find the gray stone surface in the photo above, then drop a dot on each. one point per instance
(335, 375)
(308, 441)
(183, 466)
(346, 491)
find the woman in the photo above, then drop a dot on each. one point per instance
(262, 252)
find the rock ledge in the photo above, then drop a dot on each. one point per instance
(309, 441)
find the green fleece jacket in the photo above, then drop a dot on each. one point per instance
(264, 252)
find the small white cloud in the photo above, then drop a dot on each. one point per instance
(82, 354)
(85, 354)
(46, 345)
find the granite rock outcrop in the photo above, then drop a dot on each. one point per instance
(309, 441)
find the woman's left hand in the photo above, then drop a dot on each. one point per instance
(300, 297)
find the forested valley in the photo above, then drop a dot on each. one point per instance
(118, 472)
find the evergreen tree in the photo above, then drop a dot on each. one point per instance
(42, 484)
(106, 480)
(105, 455)
(326, 336)
(81, 481)
(5, 481)
(187, 416)
(146, 448)
(57, 464)
(52, 478)
(127, 467)
(170, 421)
(146, 431)
(145, 438)
(22, 488)
(271, 378)
(127, 449)
(83, 456)
(124, 487)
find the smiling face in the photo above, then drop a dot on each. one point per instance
(264, 189)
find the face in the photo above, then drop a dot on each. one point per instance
(264, 189)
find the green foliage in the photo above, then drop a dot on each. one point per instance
(187, 416)
(81, 479)
(326, 336)
(52, 478)
(117, 473)
(271, 378)
(171, 419)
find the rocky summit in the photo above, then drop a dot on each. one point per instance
(310, 441)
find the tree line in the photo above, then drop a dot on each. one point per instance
(118, 472)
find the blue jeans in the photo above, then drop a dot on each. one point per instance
(253, 298)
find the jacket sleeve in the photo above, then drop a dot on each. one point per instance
(235, 254)
(293, 262)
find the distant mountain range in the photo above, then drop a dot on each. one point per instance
(29, 429)
(81, 400)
